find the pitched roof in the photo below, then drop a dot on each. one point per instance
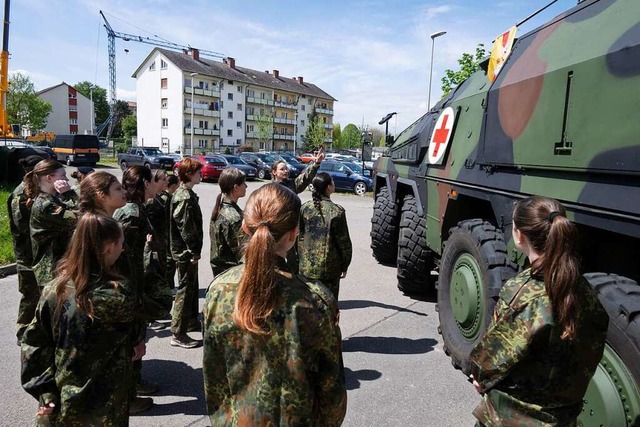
(217, 69)
(57, 86)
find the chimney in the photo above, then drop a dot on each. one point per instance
(231, 62)
(194, 53)
(276, 74)
(266, 71)
(300, 79)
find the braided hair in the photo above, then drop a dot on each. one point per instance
(320, 183)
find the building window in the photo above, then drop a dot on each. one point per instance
(163, 83)
(230, 82)
(239, 107)
(73, 121)
(239, 89)
(203, 124)
(221, 141)
(165, 142)
(230, 132)
(238, 141)
(152, 67)
(187, 123)
(202, 143)
(230, 115)
(250, 111)
(303, 107)
(163, 64)
(249, 128)
(251, 93)
(238, 124)
(230, 96)
(221, 85)
(310, 101)
(261, 145)
(164, 102)
(262, 95)
(301, 122)
(165, 123)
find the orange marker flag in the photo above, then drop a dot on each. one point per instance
(500, 52)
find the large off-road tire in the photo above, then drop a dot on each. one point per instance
(613, 396)
(473, 268)
(384, 229)
(414, 259)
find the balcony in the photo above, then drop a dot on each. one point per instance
(283, 136)
(284, 121)
(202, 112)
(253, 134)
(213, 93)
(327, 125)
(289, 105)
(328, 140)
(324, 111)
(202, 131)
(262, 101)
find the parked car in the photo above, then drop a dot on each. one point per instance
(42, 150)
(295, 166)
(263, 169)
(345, 178)
(306, 157)
(357, 167)
(213, 166)
(151, 157)
(237, 162)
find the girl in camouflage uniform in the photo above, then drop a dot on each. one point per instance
(536, 359)
(226, 219)
(101, 193)
(19, 217)
(280, 174)
(77, 353)
(324, 244)
(52, 221)
(272, 352)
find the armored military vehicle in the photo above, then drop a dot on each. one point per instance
(559, 120)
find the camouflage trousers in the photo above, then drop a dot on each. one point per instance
(333, 285)
(185, 305)
(30, 291)
(171, 272)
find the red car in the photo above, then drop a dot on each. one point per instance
(213, 166)
(306, 157)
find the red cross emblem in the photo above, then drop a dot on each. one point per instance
(441, 136)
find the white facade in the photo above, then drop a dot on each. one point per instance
(225, 108)
(71, 111)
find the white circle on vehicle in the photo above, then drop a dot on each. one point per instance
(441, 135)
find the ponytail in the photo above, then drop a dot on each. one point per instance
(229, 178)
(271, 212)
(543, 221)
(216, 208)
(31, 179)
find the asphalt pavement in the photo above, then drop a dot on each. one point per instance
(397, 373)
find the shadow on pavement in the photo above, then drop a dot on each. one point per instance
(184, 381)
(354, 378)
(351, 304)
(388, 345)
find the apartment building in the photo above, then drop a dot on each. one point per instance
(71, 111)
(181, 96)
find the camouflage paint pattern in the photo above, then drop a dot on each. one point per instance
(558, 121)
(226, 237)
(293, 376)
(324, 245)
(81, 365)
(51, 225)
(529, 374)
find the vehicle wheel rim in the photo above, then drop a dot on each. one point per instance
(261, 174)
(612, 397)
(467, 296)
(360, 189)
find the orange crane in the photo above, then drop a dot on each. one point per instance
(5, 129)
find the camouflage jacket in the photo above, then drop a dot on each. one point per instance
(51, 225)
(290, 377)
(157, 210)
(226, 237)
(530, 375)
(141, 264)
(19, 216)
(303, 180)
(81, 365)
(185, 228)
(324, 245)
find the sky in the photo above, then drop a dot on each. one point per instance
(373, 56)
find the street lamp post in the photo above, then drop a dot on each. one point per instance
(433, 43)
(192, 91)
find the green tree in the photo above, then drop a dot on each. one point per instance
(24, 107)
(469, 64)
(121, 111)
(350, 137)
(129, 127)
(99, 99)
(314, 138)
(265, 129)
(335, 133)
